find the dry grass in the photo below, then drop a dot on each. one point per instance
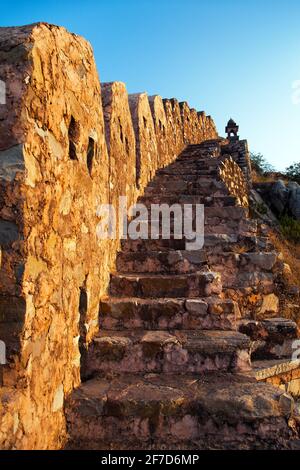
(290, 307)
(291, 254)
(268, 177)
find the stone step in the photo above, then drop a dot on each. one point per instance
(152, 225)
(208, 201)
(191, 189)
(215, 411)
(283, 373)
(184, 261)
(233, 213)
(173, 262)
(272, 338)
(186, 171)
(153, 245)
(186, 168)
(197, 160)
(217, 242)
(236, 243)
(181, 181)
(212, 313)
(178, 351)
(223, 226)
(200, 284)
(261, 281)
(261, 260)
(202, 186)
(187, 177)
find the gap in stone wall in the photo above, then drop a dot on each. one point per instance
(73, 138)
(90, 154)
(83, 307)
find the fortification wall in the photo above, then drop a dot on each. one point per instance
(65, 148)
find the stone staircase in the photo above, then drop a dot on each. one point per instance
(169, 368)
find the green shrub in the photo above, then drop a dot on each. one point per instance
(290, 228)
(293, 172)
(260, 164)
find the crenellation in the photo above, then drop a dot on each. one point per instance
(160, 126)
(145, 137)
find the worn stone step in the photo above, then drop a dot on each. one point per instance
(210, 313)
(200, 284)
(229, 226)
(283, 373)
(260, 260)
(216, 242)
(197, 160)
(203, 186)
(208, 201)
(178, 351)
(233, 213)
(186, 171)
(173, 262)
(215, 411)
(272, 338)
(234, 242)
(191, 189)
(153, 245)
(185, 176)
(216, 220)
(262, 281)
(180, 182)
(187, 168)
(170, 227)
(183, 261)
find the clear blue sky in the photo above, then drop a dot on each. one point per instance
(231, 58)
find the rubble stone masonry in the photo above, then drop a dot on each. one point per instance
(65, 147)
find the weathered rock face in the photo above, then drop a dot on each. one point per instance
(281, 198)
(294, 199)
(60, 158)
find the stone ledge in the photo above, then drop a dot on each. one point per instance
(266, 369)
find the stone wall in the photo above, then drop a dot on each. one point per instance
(239, 152)
(285, 375)
(65, 148)
(233, 177)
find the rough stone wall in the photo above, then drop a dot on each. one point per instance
(121, 146)
(160, 126)
(289, 380)
(120, 140)
(50, 201)
(188, 128)
(233, 177)
(207, 126)
(238, 150)
(146, 144)
(174, 127)
(61, 155)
